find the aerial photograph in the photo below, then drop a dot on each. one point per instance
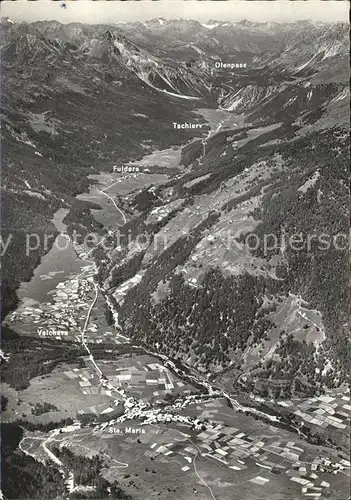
(175, 214)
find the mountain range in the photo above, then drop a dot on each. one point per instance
(271, 323)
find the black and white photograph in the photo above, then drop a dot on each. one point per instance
(175, 215)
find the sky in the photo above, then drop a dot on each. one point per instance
(95, 12)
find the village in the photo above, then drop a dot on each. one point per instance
(139, 388)
(64, 316)
(229, 446)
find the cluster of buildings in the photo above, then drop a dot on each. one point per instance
(64, 314)
(161, 417)
(138, 409)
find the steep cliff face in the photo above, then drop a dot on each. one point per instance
(247, 97)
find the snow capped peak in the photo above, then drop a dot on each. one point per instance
(214, 24)
(155, 22)
(210, 26)
(7, 20)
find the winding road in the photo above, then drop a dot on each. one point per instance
(113, 201)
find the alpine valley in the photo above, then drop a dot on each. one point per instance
(204, 168)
